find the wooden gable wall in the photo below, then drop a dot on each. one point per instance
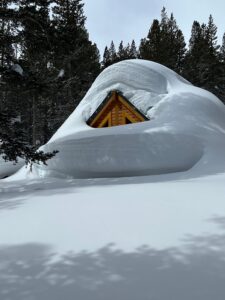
(115, 110)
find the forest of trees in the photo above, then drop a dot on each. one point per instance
(47, 64)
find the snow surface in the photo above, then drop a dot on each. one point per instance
(8, 168)
(153, 237)
(186, 128)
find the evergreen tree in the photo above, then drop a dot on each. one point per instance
(150, 47)
(213, 76)
(222, 49)
(211, 36)
(36, 53)
(112, 53)
(109, 56)
(194, 60)
(13, 136)
(74, 55)
(165, 43)
(133, 53)
(6, 36)
(106, 58)
(13, 144)
(56, 63)
(8, 69)
(202, 63)
(176, 46)
(122, 52)
(127, 52)
(221, 91)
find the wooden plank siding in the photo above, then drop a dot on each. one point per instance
(116, 110)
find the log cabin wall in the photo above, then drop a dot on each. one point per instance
(116, 111)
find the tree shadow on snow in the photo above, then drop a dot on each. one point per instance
(14, 194)
(196, 272)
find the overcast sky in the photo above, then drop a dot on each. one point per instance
(131, 19)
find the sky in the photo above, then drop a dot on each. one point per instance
(125, 20)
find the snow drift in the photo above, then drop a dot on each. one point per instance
(154, 237)
(186, 128)
(8, 168)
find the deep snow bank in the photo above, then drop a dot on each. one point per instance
(8, 168)
(186, 128)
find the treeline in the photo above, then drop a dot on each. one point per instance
(47, 61)
(202, 61)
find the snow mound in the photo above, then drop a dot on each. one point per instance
(8, 168)
(186, 128)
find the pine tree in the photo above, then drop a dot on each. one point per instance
(165, 36)
(194, 60)
(121, 53)
(150, 47)
(165, 43)
(221, 91)
(74, 54)
(106, 58)
(133, 53)
(36, 51)
(213, 73)
(211, 37)
(55, 65)
(112, 53)
(13, 140)
(222, 49)
(202, 63)
(13, 143)
(6, 36)
(9, 78)
(172, 43)
(110, 56)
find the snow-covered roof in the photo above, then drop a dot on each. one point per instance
(185, 124)
(143, 83)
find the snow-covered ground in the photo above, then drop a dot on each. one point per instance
(8, 168)
(154, 237)
(100, 230)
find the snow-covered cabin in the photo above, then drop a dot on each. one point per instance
(182, 124)
(115, 110)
